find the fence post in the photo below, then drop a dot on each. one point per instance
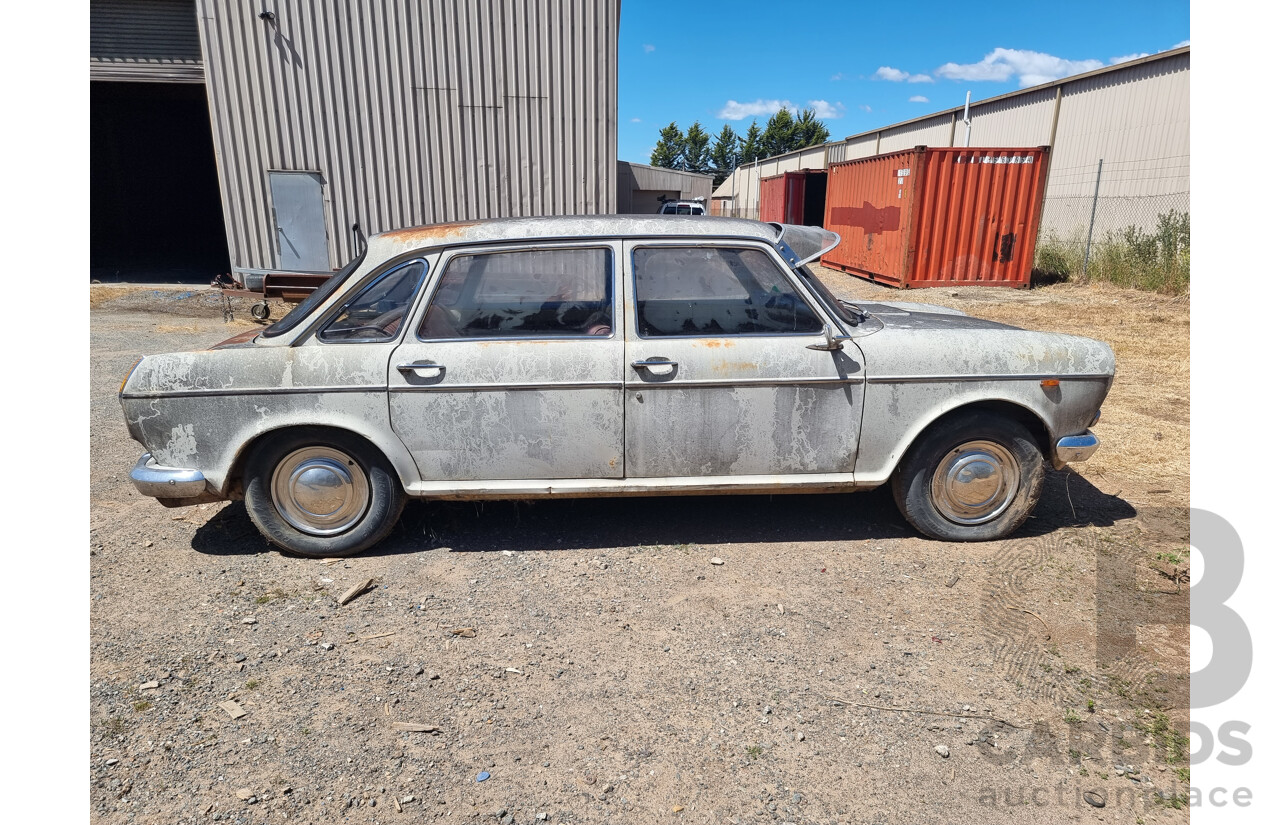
(1092, 214)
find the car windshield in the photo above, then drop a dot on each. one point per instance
(846, 311)
(315, 299)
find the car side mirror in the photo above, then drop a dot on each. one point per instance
(831, 343)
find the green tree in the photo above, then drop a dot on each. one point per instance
(751, 149)
(724, 155)
(779, 134)
(670, 148)
(697, 154)
(809, 131)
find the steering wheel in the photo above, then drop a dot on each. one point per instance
(380, 327)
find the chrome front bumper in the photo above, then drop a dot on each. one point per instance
(166, 482)
(1074, 448)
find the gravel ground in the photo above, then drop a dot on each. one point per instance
(595, 662)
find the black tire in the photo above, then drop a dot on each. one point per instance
(973, 476)
(315, 467)
(261, 310)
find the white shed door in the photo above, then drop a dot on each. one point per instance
(297, 203)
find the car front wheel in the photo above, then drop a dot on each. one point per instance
(321, 493)
(973, 477)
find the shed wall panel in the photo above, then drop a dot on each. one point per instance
(412, 112)
(1136, 118)
(933, 132)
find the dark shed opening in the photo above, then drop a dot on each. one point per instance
(155, 208)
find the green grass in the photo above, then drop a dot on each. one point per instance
(755, 751)
(1156, 261)
(1166, 738)
(1071, 717)
(141, 706)
(252, 684)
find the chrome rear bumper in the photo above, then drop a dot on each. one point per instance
(166, 482)
(1074, 448)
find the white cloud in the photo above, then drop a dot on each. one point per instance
(917, 99)
(823, 109)
(838, 76)
(648, 47)
(864, 107)
(1031, 68)
(1126, 58)
(733, 110)
(897, 75)
(1180, 44)
(636, 120)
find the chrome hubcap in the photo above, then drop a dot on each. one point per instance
(975, 482)
(320, 491)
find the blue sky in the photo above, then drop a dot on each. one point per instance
(861, 65)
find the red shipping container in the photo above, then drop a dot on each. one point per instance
(938, 217)
(794, 197)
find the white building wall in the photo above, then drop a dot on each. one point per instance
(1135, 117)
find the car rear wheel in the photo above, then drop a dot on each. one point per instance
(321, 493)
(973, 477)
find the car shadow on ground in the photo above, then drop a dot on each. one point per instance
(1069, 500)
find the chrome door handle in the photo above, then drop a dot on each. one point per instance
(431, 370)
(656, 366)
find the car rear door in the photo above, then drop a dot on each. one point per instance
(513, 369)
(720, 380)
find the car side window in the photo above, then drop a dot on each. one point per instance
(712, 291)
(523, 294)
(377, 312)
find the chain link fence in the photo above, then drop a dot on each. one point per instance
(1127, 222)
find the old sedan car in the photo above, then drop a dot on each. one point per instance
(596, 356)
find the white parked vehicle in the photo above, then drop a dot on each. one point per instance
(612, 355)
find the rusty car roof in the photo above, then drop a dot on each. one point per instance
(574, 226)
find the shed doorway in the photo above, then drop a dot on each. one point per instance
(155, 207)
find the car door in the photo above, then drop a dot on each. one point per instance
(514, 367)
(721, 377)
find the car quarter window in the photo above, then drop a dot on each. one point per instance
(376, 312)
(712, 291)
(523, 293)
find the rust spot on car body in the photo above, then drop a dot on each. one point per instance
(715, 343)
(735, 366)
(433, 232)
(243, 338)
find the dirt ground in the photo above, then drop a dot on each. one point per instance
(590, 659)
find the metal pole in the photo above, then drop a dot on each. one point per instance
(967, 123)
(1092, 214)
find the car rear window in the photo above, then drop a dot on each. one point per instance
(523, 293)
(299, 313)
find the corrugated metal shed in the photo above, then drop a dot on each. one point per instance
(152, 41)
(639, 187)
(1135, 116)
(411, 113)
